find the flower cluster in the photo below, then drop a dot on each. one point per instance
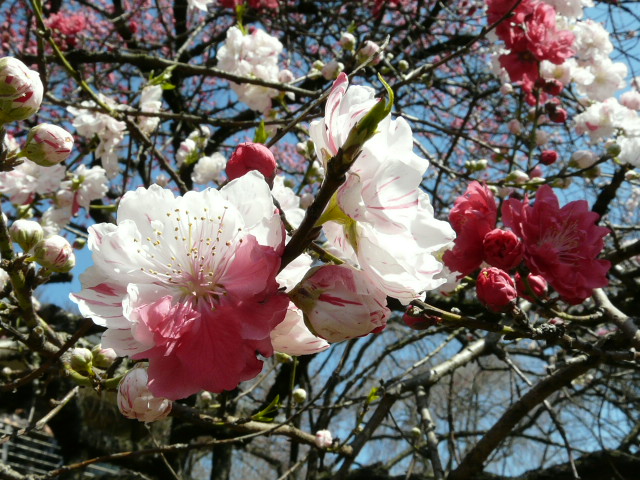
(559, 246)
(252, 55)
(532, 36)
(109, 131)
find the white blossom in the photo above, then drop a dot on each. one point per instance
(150, 102)
(209, 169)
(254, 55)
(27, 179)
(110, 132)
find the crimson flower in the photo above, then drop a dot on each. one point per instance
(473, 215)
(561, 244)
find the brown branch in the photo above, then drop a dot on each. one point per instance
(473, 462)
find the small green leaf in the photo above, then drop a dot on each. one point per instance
(372, 397)
(268, 414)
(261, 135)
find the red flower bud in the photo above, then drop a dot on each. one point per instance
(553, 87)
(537, 284)
(495, 289)
(252, 156)
(502, 249)
(549, 157)
(559, 115)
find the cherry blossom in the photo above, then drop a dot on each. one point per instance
(199, 296)
(251, 55)
(109, 131)
(28, 179)
(379, 218)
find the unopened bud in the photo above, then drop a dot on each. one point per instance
(55, 253)
(306, 199)
(21, 90)
(347, 41)
(79, 243)
(323, 439)
(137, 402)
(299, 395)
(48, 145)
(103, 357)
(332, 69)
(613, 148)
(517, 176)
(403, 65)
(631, 175)
(26, 233)
(206, 398)
(252, 156)
(415, 432)
(583, 159)
(370, 50)
(81, 360)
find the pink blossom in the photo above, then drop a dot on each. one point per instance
(135, 401)
(531, 36)
(495, 288)
(473, 216)
(341, 303)
(537, 284)
(561, 244)
(323, 439)
(252, 156)
(189, 284)
(66, 26)
(502, 249)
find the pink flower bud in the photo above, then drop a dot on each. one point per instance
(340, 303)
(549, 157)
(370, 49)
(136, 401)
(323, 439)
(332, 69)
(55, 253)
(20, 90)
(495, 289)
(26, 233)
(536, 172)
(103, 357)
(536, 282)
(252, 156)
(347, 41)
(48, 145)
(286, 76)
(502, 249)
(514, 126)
